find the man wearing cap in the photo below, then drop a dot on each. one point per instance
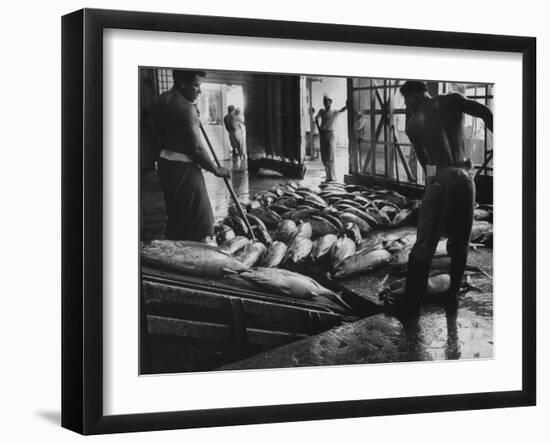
(327, 138)
(436, 132)
(176, 128)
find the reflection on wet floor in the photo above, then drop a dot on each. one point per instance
(153, 212)
(245, 186)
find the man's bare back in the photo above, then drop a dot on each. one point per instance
(435, 127)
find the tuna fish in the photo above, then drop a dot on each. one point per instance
(438, 285)
(303, 230)
(405, 216)
(332, 211)
(482, 232)
(266, 194)
(236, 243)
(299, 214)
(262, 235)
(440, 264)
(299, 250)
(237, 224)
(362, 262)
(381, 218)
(321, 226)
(253, 204)
(352, 231)
(322, 246)
(289, 202)
(192, 258)
(332, 219)
(482, 214)
(223, 233)
(363, 226)
(274, 255)
(400, 257)
(342, 248)
(293, 285)
(279, 209)
(390, 211)
(361, 214)
(267, 216)
(251, 253)
(286, 231)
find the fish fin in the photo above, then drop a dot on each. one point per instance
(474, 246)
(229, 271)
(341, 300)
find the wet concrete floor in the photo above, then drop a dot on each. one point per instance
(435, 335)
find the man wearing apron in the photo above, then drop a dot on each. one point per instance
(436, 131)
(327, 138)
(176, 128)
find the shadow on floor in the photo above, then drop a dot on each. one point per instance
(53, 417)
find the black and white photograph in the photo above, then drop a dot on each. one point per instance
(298, 220)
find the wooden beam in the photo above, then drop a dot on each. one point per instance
(216, 332)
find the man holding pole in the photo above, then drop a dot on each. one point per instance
(177, 130)
(435, 129)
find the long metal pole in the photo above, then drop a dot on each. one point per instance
(228, 184)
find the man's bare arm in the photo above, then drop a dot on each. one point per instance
(345, 106)
(419, 151)
(200, 155)
(317, 117)
(476, 109)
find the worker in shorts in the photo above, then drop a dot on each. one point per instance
(327, 138)
(436, 132)
(176, 128)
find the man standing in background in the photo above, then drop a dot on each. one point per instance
(176, 129)
(233, 122)
(327, 138)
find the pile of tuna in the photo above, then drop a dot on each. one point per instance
(341, 230)
(344, 229)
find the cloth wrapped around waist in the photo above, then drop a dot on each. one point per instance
(433, 170)
(175, 156)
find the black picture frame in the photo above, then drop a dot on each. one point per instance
(82, 216)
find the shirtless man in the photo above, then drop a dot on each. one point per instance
(436, 131)
(327, 138)
(178, 138)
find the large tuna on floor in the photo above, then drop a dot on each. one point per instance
(342, 248)
(251, 253)
(274, 255)
(321, 226)
(236, 243)
(293, 285)
(299, 250)
(191, 258)
(322, 246)
(362, 262)
(286, 231)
